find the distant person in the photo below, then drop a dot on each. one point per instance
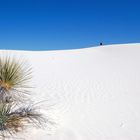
(101, 44)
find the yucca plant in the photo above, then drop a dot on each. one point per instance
(13, 121)
(14, 76)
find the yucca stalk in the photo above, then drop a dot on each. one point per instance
(14, 76)
(15, 121)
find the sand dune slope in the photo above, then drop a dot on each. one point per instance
(92, 94)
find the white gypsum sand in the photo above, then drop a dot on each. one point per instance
(91, 93)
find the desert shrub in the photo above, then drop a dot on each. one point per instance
(13, 121)
(14, 86)
(14, 78)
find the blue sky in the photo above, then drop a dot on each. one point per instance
(67, 24)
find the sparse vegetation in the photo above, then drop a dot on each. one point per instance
(13, 121)
(14, 77)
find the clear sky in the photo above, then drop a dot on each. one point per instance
(67, 24)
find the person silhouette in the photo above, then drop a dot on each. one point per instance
(101, 44)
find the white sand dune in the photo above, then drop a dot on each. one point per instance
(92, 93)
